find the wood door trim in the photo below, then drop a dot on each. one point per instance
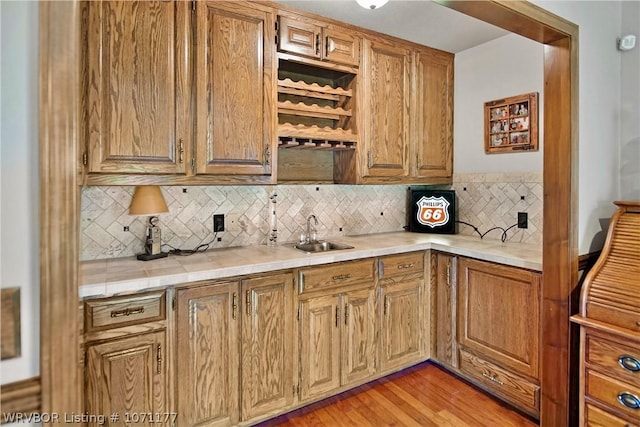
(59, 128)
(59, 206)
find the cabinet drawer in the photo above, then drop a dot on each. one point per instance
(617, 360)
(513, 388)
(614, 315)
(615, 394)
(596, 417)
(400, 265)
(101, 314)
(336, 275)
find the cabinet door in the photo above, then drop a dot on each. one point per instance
(386, 116)
(341, 46)
(267, 345)
(127, 376)
(445, 309)
(358, 336)
(498, 314)
(207, 355)
(432, 115)
(299, 37)
(235, 106)
(138, 85)
(401, 322)
(319, 346)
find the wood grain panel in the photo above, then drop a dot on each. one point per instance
(341, 46)
(138, 99)
(400, 322)
(358, 336)
(234, 124)
(386, 116)
(607, 390)
(101, 314)
(432, 115)
(20, 397)
(127, 376)
(596, 417)
(207, 354)
(319, 346)
(10, 300)
(299, 37)
(337, 275)
(490, 295)
(267, 345)
(604, 353)
(400, 265)
(446, 341)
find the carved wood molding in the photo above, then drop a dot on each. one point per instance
(20, 397)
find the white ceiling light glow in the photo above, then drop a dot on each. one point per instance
(372, 4)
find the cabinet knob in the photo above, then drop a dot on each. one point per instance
(629, 400)
(629, 363)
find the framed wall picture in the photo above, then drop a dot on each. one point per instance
(511, 124)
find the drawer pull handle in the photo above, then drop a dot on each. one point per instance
(341, 277)
(629, 363)
(492, 378)
(234, 305)
(127, 312)
(629, 400)
(405, 266)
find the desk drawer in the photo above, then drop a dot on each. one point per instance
(107, 313)
(400, 265)
(621, 361)
(596, 417)
(336, 275)
(617, 395)
(513, 388)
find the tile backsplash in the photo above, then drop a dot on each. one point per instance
(485, 200)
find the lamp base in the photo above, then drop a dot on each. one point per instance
(149, 257)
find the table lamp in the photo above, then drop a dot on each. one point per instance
(148, 200)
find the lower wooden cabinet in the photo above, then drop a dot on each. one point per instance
(208, 354)
(125, 363)
(402, 316)
(127, 376)
(267, 345)
(336, 331)
(234, 344)
(488, 326)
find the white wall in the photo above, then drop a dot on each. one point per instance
(508, 66)
(599, 113)
(630, 105)
(19, 178)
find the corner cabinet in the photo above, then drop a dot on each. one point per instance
(235, 89)
(137, 87)
(488, 327)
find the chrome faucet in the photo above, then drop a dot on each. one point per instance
(309, 239)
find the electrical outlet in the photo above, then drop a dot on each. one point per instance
(523, 220)
(218, 222)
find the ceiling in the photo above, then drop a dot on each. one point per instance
(420, 21)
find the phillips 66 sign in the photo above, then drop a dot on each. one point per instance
(431, 211)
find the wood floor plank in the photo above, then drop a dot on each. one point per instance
(424, 395)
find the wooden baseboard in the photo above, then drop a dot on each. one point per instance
(20, 397)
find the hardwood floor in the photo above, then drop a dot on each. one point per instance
(424, 395)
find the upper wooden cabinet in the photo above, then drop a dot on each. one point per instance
(432, 115)
(385, 135)
(235, 88)
(408, 119)
(318, 40)
(137, 87)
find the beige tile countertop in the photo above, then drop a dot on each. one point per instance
(109, 277)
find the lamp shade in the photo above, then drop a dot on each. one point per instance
(147, 200)
(371, 4)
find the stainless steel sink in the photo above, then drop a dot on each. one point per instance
(321, 246)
